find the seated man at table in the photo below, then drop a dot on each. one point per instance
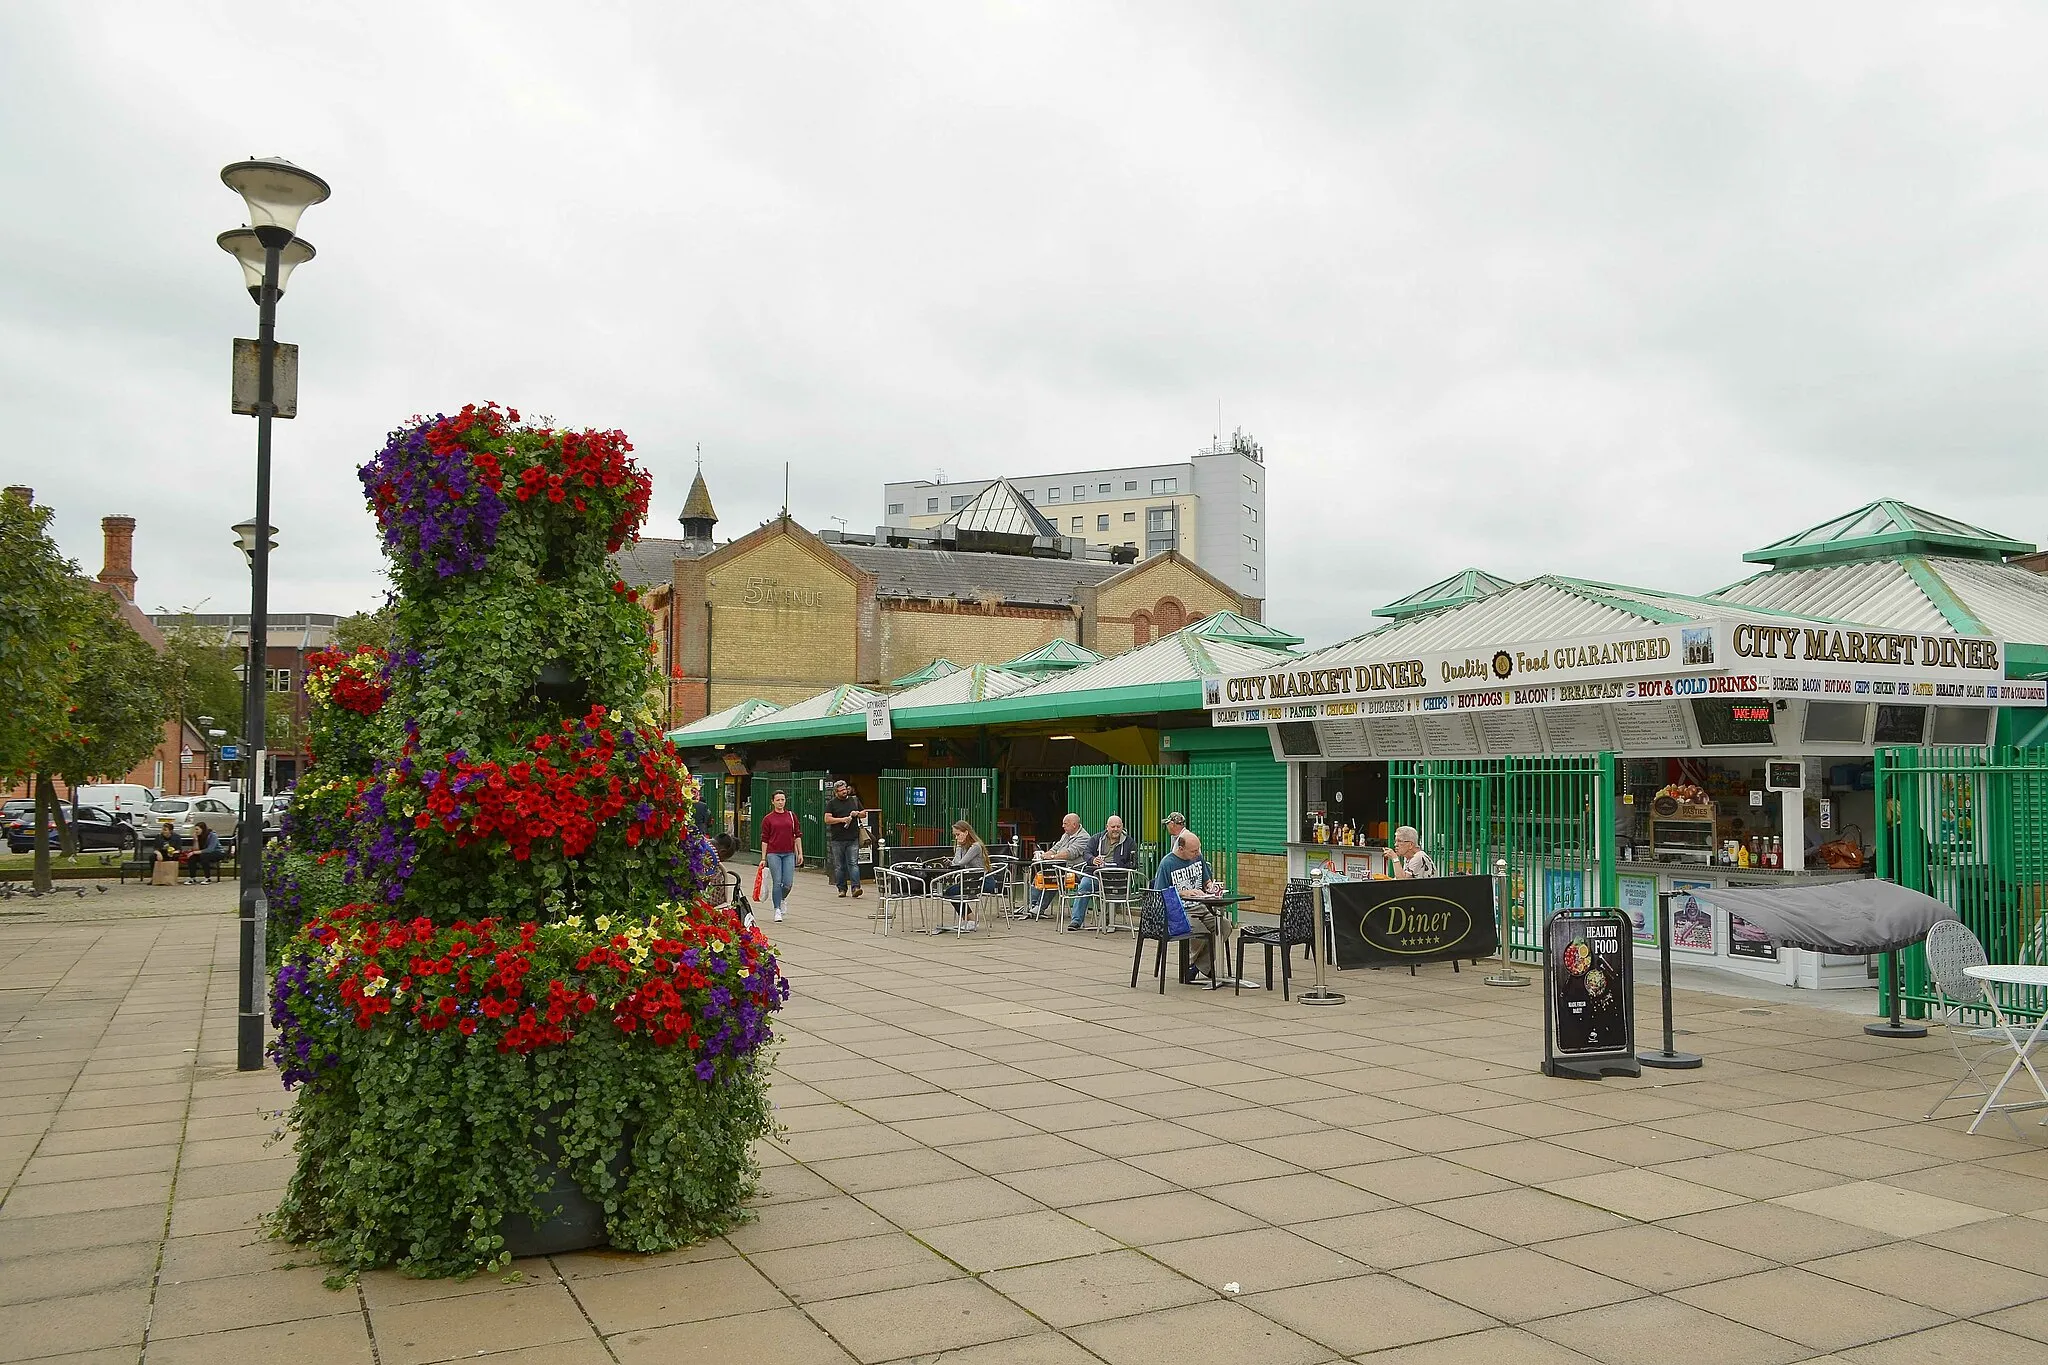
(1109, 849)
(1057, 861)
(1189, 873)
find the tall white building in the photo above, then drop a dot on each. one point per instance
(1211, 508)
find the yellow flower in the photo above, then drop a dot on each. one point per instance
(604, 924)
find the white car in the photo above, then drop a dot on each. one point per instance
(217, 810)
(123, 800)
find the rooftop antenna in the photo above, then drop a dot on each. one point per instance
(942, 475)
(785, 490)
(842, 523)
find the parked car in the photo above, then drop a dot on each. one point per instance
(124, 800)
(219, 810)
(274, 808)
(96, 830)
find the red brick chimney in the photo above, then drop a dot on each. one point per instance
(22, 491)
(119, 572)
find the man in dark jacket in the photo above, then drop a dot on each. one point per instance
(1110, 849)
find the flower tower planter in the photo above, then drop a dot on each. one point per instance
(513, 1023)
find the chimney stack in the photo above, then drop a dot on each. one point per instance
(119, 572)
(22, 491)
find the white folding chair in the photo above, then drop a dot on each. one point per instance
(958, 895)
(1950, 947)
(903, 892)
(1119, 898)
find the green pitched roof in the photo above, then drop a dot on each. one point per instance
(1228, 625)
(1462, 586)
(1882, 530)
(1055, 657)
(937, 668)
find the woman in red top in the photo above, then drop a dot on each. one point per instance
(782, 846)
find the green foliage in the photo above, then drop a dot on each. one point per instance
(364, 630)
(39, 600)
(426, 1124)
(118, 704)
(200, 674)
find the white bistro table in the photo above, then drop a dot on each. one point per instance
(2022, 1048)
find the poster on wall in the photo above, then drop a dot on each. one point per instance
(1749, 940)
(1638, 896)
(1692, 919)
(1563, 889)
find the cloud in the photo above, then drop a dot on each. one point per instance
(1617, 290)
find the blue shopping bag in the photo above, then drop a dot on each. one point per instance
(1177, 925)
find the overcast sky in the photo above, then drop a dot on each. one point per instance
(1618, 290)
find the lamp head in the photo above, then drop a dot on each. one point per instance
(245, 540)
(276, 192)
(247, 247)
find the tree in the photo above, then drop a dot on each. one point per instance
(86, 693)
(200, 673)
(365, 628)
(37, 588)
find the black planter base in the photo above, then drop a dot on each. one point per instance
(578, 1226)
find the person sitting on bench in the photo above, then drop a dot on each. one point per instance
(206, 852)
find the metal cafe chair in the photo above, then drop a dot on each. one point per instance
(1152, 929)
(1950, 947)
(1117, 894)
(1007, 865)
(963, 892)
(902, 893)
(1297, 928)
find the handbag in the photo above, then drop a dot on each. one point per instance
(1844, 854)
(761, 881)
(1177, 925)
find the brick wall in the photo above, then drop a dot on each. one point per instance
(914, 634)
(1263, 875)
(1153, 595)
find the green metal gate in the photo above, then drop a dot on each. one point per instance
(1551, 820)
(919, 805)
(1144, 796)
(1969, 826)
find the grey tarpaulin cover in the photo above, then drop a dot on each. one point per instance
(1838, 917)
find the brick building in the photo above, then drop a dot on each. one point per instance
(289, 641)
(781, 612)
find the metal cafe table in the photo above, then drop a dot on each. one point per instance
(2033, 976)
(1219, 950)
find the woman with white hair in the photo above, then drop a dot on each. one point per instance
(1407, 860)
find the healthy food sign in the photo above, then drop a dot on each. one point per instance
(1434, 919)
(1589, 1028)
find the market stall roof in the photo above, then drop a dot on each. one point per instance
(848, 699)
(1165, 675)
(1057, 656)
(982, 682)
(937, 668)
(1970, 596)
(1885, 528)
(1461, 587)
(751, 709)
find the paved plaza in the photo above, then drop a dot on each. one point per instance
(999, 1152)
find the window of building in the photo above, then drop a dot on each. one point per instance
(1080, 492)
(1102, 521)
(1251, 513)
(1130, 485)
(1166, 485)
(895, 509)
(1130, 516)
(1104, 489)
(1031, 494)
(1162, 531)
(1251, 573)
(1078, 521)
(1052, 495)
(931, 504)
(278, 679)
(1252, 544)
(960, 502)
(1251, 484)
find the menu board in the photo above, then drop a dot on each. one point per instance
(1510, 732)
(1577, 729)
(1656, 727)
(1450, 736)
(1588, 978)
(1345, 739)
(1395, 736)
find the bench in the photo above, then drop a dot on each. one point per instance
(139, 866)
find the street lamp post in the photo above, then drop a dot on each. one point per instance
(277, 193)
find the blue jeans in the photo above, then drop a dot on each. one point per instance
(781, 874)
(1084, 893)
(842, 863)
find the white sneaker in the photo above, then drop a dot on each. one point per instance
(778, 917)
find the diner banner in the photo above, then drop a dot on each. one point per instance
(1430, 919)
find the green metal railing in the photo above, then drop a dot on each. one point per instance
(1969, 826)
(1144, 796)
(1551, 820)
(919, 805)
